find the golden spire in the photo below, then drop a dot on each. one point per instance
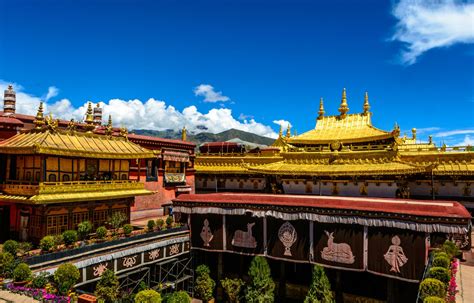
(183, 133)
(366, 103)
(288, 131)
(343, 109)
(89, 119)
(280, 134)
(321, 109)
(413, 133)
(39, 119)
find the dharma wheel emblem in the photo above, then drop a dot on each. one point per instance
(335, 145)
(206, 234)
(287, 235)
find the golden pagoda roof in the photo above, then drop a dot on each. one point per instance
(73, 144)
(351, 164)
(351, 128)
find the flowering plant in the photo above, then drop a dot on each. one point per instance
(452, 286)
(38, 293)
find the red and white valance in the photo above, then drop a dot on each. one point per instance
(176, 156)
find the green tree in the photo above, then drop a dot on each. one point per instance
(232, 288)
(148, 296)
(107, 288)
(84, 229)
(261, 287)
(178, 297)
(66, 276)
(7, 264)
(204, 285)
(11, 246)
(320, 289)
(22, 272)
(116, 220)
(432, 287)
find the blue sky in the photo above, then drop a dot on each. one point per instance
(245, 64)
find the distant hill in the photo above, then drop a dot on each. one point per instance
(208, 137)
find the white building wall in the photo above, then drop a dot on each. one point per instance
(382, 190)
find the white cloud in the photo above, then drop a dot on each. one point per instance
(467, 141)
(282, 123)
(151, 114)
(53, 91)
(210, 95)
(427, 24)
(454, 132)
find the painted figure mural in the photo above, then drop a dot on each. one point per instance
(395, 255)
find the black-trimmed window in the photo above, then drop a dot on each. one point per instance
(152, 170)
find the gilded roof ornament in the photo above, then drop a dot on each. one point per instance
(183, 133)
(108, 128)
(51, 123)
(413, 132)
(343, 109)
(288, 131)
(280, 133)
(321, 109)
(366, 104)
(89, 119)
(124, 132)
(71, 126)
(430, 139)
(396, 130)
(39, 119)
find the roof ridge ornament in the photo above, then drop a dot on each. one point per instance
(288, 131)
(183, 133)
(71, 126)
(321, 109)
(108, 128)
(280, 133)
(89, 118)
(343, 109)
(51, 123)
(366, 104)
(39, 118)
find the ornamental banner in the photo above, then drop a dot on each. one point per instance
(129, 262)
(96, 270)
(339, 245)
(244, 234)
(396, 252)
(154, 255)
(288, 239)
(207, 232)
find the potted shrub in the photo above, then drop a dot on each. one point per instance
(47, 243)
(432, 299)
(204, 285)
(261, 287)
(150, 225)
(107, 289)
(320, 288)
(40, 280)
(101, 233)
(169, 221)
(84, 229)
(69, 237)
(116, 220)
(178, 297)
(11, 246)
(440, 273)
(127, 229)
(7, 264)
(148, 296)
(21, 274)
(24, 248)
(432, 287)
(58, 241)
(65, 277)
(441, 261)
(159, 223)
(232, 288)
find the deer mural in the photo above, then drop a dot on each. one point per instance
(244, 238)
(337, 252)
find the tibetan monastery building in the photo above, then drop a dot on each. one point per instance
(166, 174)
(344, 155)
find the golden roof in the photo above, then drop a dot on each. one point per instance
(73, 144)
(352, 128)
(330, 166)
(230, 165)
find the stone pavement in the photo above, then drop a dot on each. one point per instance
(465, 279)
(8, 297)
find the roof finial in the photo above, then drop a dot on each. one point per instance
(109, 129)
(321, 109)
(366, 104)
(413, 133)
(183, 133)
(343, 109)
(89, 119)
(39, 119)
(288, 131)
(280, 134)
